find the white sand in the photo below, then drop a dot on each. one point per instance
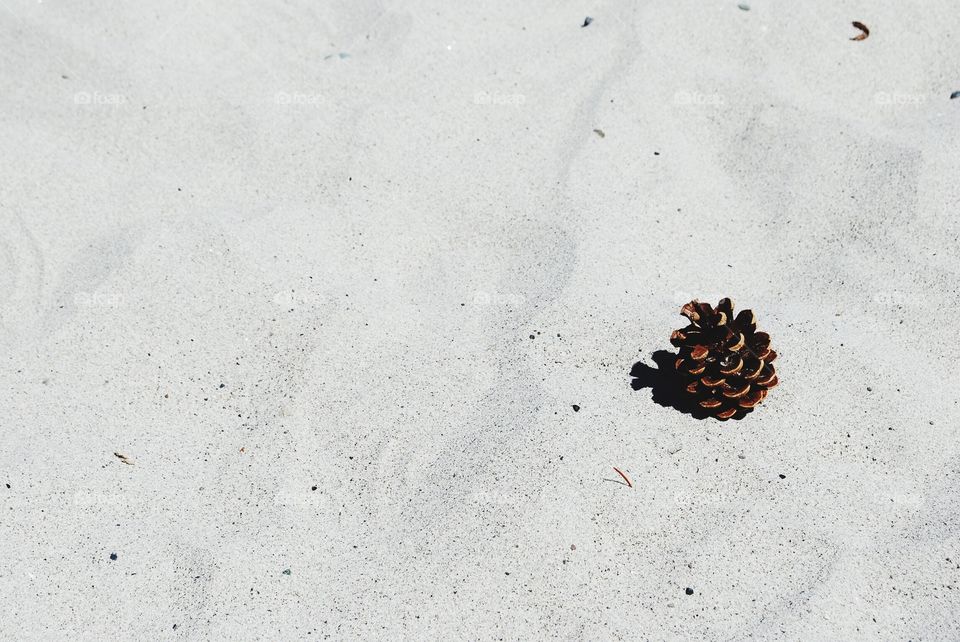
(358, 248)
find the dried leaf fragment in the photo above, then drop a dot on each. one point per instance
(862, 27)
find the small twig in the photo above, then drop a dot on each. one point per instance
(625, 478)
(123, 458)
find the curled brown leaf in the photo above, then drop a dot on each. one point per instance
(862, 27)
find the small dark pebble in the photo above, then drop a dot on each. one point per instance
(313, 488)
(689, 591)
(869, 389)
(113, 557)
(743, 7)
(286, 571)
(8, 485)
(174, 627)
(782, 476)
(223, 385)
(931, 423)
(955, 94)
(586, 22)
(576, 408)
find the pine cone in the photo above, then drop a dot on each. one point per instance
(724, 363)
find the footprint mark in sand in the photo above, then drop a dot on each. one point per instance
(21, 274)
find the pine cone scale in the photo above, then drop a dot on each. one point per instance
(732, 370)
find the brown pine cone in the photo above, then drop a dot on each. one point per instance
(724, 363)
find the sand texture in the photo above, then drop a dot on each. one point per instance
(296, 300)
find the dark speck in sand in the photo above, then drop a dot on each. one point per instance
(576, 408)
(955, 94)
(113, 557)
(688, 591)
(286, 571)
(782, 476)
(743, 7)
(586, 22)
(599, 132)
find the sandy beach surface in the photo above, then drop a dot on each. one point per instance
(297, 299)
